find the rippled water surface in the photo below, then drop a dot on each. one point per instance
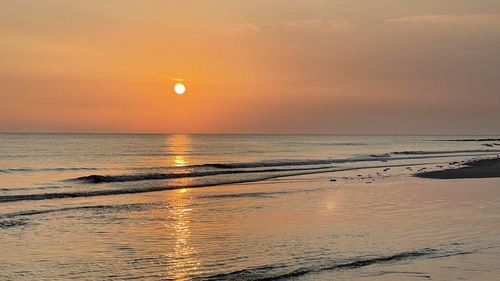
(178, 207)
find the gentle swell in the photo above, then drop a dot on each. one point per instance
(16, 219)
(471, 140)
(253, 194)
(272, 163)
(163, 176)
(239, 168)
(255, 176)
(444, 152)
(265, 273)
(121, 207)
(62, 195)
(367, 158)
(12, 223)
(24, 170)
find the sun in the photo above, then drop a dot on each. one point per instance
(179, 88)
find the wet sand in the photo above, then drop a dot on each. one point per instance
(484, 168)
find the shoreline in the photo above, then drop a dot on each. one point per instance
(482, 168)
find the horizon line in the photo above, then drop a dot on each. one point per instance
(243, 134)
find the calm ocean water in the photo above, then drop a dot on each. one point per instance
(244, 207)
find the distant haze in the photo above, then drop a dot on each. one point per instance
(260, 66)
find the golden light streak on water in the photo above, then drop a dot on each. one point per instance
(179, 147)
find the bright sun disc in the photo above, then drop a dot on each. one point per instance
(179, 88)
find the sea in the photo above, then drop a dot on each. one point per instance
(245, 207)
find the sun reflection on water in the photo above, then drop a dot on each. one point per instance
(182, 257)
(179, 147)
(180, 161)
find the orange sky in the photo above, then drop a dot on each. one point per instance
(250, 66)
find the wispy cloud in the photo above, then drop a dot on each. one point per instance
(244, 28)
(470, 19)
(330, 25)
(237, 29)
(314, 24)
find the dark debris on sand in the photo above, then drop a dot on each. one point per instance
(483, 168)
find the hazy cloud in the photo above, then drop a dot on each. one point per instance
(244, 28)
(471, 19)
(314, 24)
(304, 25)
(238, 29)
(330, 66)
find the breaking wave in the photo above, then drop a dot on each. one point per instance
(234, 173)
(163, 176)
(275, 166)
